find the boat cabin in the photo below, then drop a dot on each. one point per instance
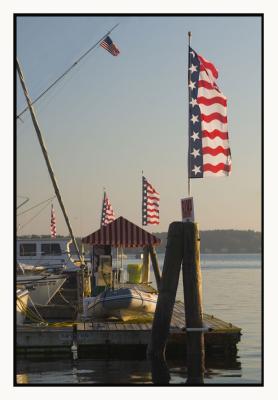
(50, 253)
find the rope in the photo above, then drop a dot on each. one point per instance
(30, 220)
(39, 320)
(37, 205)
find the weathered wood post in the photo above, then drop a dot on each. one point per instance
(160, 371)
(192, 286)
(146, 265)
(155, 265)
(167, 291)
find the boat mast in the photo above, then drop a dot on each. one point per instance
(49, 167)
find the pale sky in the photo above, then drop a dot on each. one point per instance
(113, 117)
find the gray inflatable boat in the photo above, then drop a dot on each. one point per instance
(123, 304)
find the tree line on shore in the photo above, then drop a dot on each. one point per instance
(212, 241)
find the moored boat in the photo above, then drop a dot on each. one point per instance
(42, 288)
(123, 303)
(52, 254)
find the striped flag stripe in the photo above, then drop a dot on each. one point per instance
(211, 101)
(216, 150)
(207, 65)
(213, 108)
(217, 168)
(213, 143)
(211, 117)
(215, 133)
(212, 125)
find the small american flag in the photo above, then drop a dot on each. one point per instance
(150, 203)
(107, 214)
(108, 45)
(209, 151)
(52, 223)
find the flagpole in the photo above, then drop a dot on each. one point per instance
(68, 70)
(188, 79)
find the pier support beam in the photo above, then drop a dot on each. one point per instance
(192, 289)
(167, 291)
(183, 247)
(155, 265)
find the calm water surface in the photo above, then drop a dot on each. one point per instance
(231, 291)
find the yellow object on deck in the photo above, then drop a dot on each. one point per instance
(134, 273)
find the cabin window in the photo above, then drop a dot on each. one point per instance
(27, 249)
(52, 249)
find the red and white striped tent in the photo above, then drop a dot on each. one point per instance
(122, 233)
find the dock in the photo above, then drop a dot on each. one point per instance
(118, 339)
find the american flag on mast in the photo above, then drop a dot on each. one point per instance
(108, 45)
(107, 213)
(150, 203)
(208, 151)
(52, 223)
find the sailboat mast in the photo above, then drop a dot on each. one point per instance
(44, 151)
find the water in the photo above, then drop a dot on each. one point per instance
(231, 291)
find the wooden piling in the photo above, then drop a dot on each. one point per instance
(155, 265)
(192, 286)
(167, 291)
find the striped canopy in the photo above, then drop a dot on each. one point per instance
(122, 233)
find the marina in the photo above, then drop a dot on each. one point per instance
(122, 339)
(103, 304)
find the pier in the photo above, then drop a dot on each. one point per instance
(119, 339)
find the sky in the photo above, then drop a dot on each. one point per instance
(112, 117)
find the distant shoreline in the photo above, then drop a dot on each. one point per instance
(220, 241)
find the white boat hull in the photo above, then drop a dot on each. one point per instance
(41, 288)
(123, 303)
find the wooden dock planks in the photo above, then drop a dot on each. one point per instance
(93, 336)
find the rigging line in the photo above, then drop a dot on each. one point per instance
(37, 205)
(30, 220)
(24, 202)
(46, 101)
(68, 70)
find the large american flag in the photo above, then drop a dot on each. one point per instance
(209, 151)
(150, 203)
(108, 45)
(107, 214)
(52, 223)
